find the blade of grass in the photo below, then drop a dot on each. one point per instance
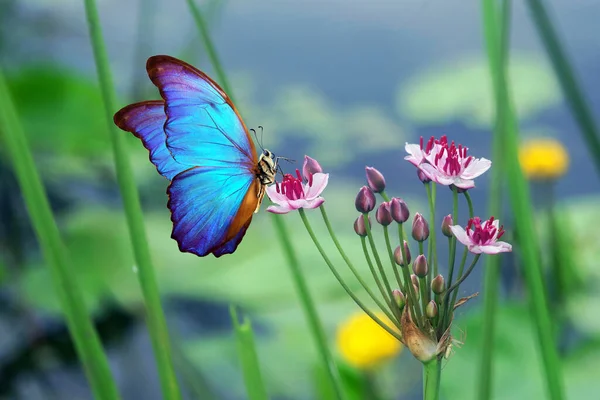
(155, 318)
(280, 229)
(520, 200)
(566, 77)
(492, 269)
(247, 351)
(87, 343)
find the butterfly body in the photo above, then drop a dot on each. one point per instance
(198, 141)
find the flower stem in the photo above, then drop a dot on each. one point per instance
(155, 317)
(469, 203)
(460, 280)
(312, 235)
(373, 272)
(79, 323)
(308, 305)
(431, 379)
(409, 289)
(351, 266)
(376, 256)
(432, 252)
(461, 269)
(388, 244)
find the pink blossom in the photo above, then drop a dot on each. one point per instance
(294, 192)
(482, 237)
(445, 163)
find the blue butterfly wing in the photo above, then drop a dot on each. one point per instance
(146, 121)
(211, 204)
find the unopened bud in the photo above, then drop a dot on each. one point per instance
(359, 226)
(422, 177)
(311, 166)
(446, 224)
(383, 214)
(414, 279)
(365, 200)
(420, 228)
(399, 210)
(417, 293)
(438, 286)
(398, 255)
(375, 180)
(420, 267)
(431, 310)
(399, 298)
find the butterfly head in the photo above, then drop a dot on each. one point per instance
(267, 167)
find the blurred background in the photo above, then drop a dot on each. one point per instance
(346, 82)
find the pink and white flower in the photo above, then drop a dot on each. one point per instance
(445, 163)
(482, 237)
(294, 192)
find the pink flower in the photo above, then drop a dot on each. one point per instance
(482, 237)
(446, 164)
(294, 192)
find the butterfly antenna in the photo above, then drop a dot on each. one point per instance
(286, 159)
(261, 135)
(256, 137)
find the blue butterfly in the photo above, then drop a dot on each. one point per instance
(198, 141)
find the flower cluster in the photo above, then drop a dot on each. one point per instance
(415, 300)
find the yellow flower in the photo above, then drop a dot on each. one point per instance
(363, 343)
(543, 158)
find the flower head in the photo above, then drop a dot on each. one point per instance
(363, 343)
(482, 237)
(310, 167)
(365, 200)
(543, 159)
(383, 214)
(446, 163)
(375, 179)
(294, 192)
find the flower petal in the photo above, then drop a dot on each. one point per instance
(477, 167)
(416, 155)
(319, 182)
(279, 209)
(498, 247)
(464, 183)
(314, 203)
(274, 196)
(461, 235)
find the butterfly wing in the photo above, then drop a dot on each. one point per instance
(146, 121)
(212, 203)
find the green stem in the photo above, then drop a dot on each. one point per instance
(461, 279)
(521, 203)
(384, 278)
(308, 306)
(384, 195)
(460, 271)
(492, 268)
(246, 347)
(155, 318)
(351, 266)
(81, 328)
(469, 203)
(431, 379)
(312, 235)
(432, 252)
(409, 290)
(373, 272)
(388, 244)
(566, 76)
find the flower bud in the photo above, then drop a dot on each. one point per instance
(438, 286)
(311, 166)
(398, 255)
(375, 180)
(359, 226)
(399, 210)
(422, 177)
(398, 298)
(383, 214)
(420, 267)
(420, 228)
(417, 293)
(446, 224)
(415, 280)
(365, 200)
(431, 310)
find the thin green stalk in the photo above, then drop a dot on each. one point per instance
(81, 328)
(492, 268)
(384, 195)
(432, 252)
(155, 318)
(246, 347)
(424, 293)
(351, 266)
(210, 48)
(374, 273)
(359, 303)
(522, 208)
(461, 279)
(431, 379)
(469, 203)
(308, 305)
(566, 76)
(376, 256)
(409, 289)
(388, 245)
(460, 272)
